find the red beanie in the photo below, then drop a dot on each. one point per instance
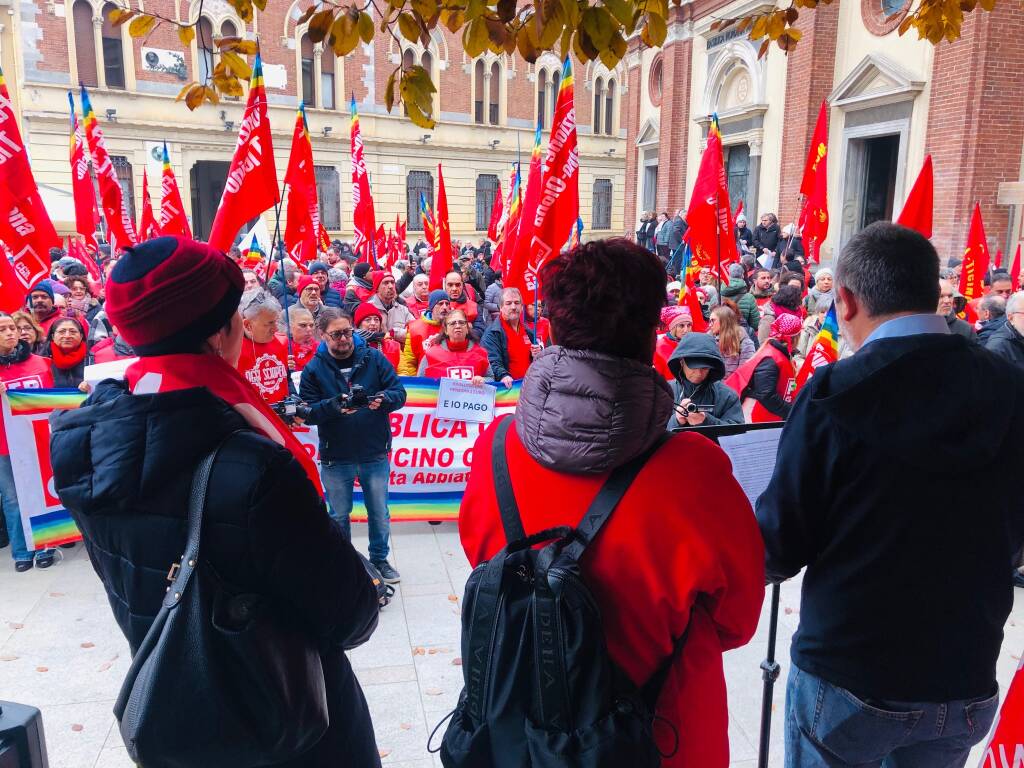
(364, 310)
(378, 277)
(169, 294)
(304, 282)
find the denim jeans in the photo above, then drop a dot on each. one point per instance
(12, 513)
(829, 727)
(373, 479)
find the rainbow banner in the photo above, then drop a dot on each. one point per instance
(26, 416)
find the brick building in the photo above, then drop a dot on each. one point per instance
(486, 110)
(892, 100)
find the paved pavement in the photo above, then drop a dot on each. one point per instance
(60, 650)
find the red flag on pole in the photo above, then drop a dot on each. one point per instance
(709, 215)
(998, 261)
(739, 210)
(87, 216)
(517, 257)
(558, 204)
(148, 228)
(172, 212)
(1015, 269)
(506, 244)
(251, 186)
(115, 207)
(917, 211)
(441, 263)
(814, 217)
(364, 219)
(303, 234)
(976, 258)
(496, 214)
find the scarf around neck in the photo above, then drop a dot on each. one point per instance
(66, 360)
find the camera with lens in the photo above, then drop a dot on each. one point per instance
(356, 397)
(290, 409)
(695, 408)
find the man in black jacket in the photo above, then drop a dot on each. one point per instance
(1007, 341)
(947, 309)
(496, 338)
(880, 476)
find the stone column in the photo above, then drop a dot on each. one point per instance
(753, 181)
(97, 36)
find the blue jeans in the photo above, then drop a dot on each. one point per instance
(829, 727)
(373, 479)
(12, 513)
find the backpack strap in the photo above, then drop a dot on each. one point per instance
(507, 507)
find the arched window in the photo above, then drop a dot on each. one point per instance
(486, 188)
(85, 43)
(228, 29)
(204, 46)
(327, 79)
(598, 103)
(113, 53)
(542, 98)
(417, 182)
(601, 213)
(427, 61)
(478, 92)
(308, 73)
(494, 107)
(609, 107)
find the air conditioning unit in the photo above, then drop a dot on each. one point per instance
(164, 61)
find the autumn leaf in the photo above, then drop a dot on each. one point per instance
(184, 91)
(389, 91)
(119, 16)
(236, 64)
(320, 24)
(141, 26)
(194, 97)
(247, 47)
(365, 27)
(186, 35)
(408, 27)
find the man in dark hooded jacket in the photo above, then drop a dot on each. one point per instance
(699, 369)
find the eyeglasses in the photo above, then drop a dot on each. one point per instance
(339, 335)
(457, 323)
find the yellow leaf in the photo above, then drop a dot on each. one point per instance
(365, 27)
(236, 64)
(618, 46)
(227, 43)
(425, 8)
(745, 23)
(320, 24)
(608, 58)
(453, 20)
(988, 5)
(243, 8)
(344, 36)
(186, 35)
(305, 16)
(119, 16)
(776, 25)
(474, 37)
(408, 27)
(759, 28)
(655, 31)
(141, 26)
(418, 118)
(598, 25)
(527, 43)
(247, 48)
(184, 91)
(475, 9)
(905, 25)
(389, 91)
(552, 25)
(261, 4)
(194, 97)
(794, 34)
(210, 94)
(583, 42)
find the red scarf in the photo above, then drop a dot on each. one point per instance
(66, 360)
(520, 355)
(169, 373)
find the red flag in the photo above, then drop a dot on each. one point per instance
(998, 260)
(1005, 748)
(303, 234)
(21, 230)
(917, 211)
(77, 250)
(517, 252)
(115, 207)
(441, 264)
(689, 299)
(251, 186)
(364, 221)
(87, 217)
(710, 214)
(1015, 269)
(496, 214)
(976, 258)
(147, 222)
(381, 245)
(739, 210)
(558, 204)
(173, 220)
(814, 217)
(400, 230)
(12, 291)
(511, 216)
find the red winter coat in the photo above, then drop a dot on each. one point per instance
(104, 352)
(442, 362)
(669, 547)
(753, 411)
(468, 307)
(29, 372)
(662, 352)
(391, 349)
(416, 307)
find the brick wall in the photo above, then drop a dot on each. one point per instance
(675, 126)
(976, 129)
(809, 79)
(631, 121)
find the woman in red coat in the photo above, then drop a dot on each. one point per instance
(453, 355)
(678, 554)
(678, 322)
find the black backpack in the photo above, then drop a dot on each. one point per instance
(540, 689)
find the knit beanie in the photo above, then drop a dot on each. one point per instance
(361, 269)
(318, 266)
(366, 309)
(436, 296)
(169, 294)
(44, 286)
(304, 282)
(378, 277)
(671, 313)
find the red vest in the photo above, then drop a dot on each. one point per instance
(416, 307)
(104, 352)
(754, 412)
(662, 351)
(363, 294)
(444, 363)
(468, 307)
(33, 373)
(391, 349)
(418, 331)
(265, 366)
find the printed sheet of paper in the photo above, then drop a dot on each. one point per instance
(753, 458)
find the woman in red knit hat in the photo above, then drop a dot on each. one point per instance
(124, 464)
(369, 321)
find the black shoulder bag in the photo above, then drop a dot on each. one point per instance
(219, 680)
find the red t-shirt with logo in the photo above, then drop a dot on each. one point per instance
(265, 366)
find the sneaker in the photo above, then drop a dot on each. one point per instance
(22, 565)
(389, 574)
(45, 560)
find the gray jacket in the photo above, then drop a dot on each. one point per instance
(492, 300)
(701, 350)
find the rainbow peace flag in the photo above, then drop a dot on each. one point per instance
(823, 351)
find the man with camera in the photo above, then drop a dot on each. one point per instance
(700, 396)
(350, 389)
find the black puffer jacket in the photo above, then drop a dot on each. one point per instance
(123, 466)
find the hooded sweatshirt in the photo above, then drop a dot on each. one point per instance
(699, 350)
(882, 490)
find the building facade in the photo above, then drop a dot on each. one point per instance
(892, 100)
(486, 110)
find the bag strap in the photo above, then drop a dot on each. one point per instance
(507, 507)
(196, 503)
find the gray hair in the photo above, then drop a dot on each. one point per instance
(994, 304)
(1015, 303)
(254, 303)
(511, 291)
